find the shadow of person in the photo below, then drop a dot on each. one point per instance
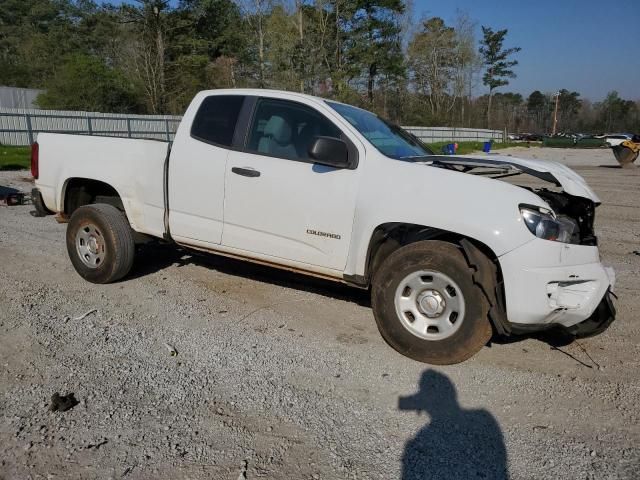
(456, 443)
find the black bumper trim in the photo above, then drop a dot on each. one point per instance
(601, 318)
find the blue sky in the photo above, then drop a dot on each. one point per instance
(590, 46)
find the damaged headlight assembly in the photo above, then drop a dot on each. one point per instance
(544, 224)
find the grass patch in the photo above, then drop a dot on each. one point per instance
(470, 147)
(561, 142)
(15, 158)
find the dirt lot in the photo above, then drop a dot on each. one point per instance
(278, 376)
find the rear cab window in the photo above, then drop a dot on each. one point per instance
(216, 119)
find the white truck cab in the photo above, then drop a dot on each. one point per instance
(451, 253)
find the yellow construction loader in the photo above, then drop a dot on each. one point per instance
(627, 152)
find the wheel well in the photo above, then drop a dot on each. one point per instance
(484, 263)
(388, 237)
(85, 191)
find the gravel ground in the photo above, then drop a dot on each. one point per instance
(281, 376)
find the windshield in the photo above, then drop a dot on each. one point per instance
(390, 139)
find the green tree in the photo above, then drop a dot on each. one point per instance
(217, 24)
(282, 49)
(432, 57)
(510, 107)
(498, 66)
(468, 62)
(148, 55)
(100, 31)
(372, 46)
(85, 83)
(538, 109)
(569, 105)
(617, 114)
(255, 13)
(315, 41)
(35, 35)
(536, 102)
(206, 41)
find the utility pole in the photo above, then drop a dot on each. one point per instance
(555, 113)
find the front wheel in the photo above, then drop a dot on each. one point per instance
(100, 243)
(427, 306)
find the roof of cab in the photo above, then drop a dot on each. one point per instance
(259, 92)
(277, 93)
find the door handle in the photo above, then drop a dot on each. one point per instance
(245, 172)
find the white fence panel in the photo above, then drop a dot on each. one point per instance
(443, 134)
(20, 127)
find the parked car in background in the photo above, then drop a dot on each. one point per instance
(302, 183)
(532, 137)
(617, 139)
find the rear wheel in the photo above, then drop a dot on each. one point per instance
(100, 243)
(427, 306)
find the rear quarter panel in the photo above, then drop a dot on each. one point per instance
(133, 167)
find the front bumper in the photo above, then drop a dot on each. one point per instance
(598, 322)
(549, 283)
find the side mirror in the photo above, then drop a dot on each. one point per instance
(329, 151)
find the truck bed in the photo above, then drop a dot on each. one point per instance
(135, 170)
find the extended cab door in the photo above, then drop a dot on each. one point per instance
(197, 167)
(278, 202)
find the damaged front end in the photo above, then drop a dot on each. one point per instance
(501, 166)
(573, 205)
(556, 283)
(601, 318)
(576, 212)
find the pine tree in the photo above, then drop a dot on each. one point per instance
(496, 61)
(373, 45)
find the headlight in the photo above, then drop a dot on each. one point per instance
(545, 225)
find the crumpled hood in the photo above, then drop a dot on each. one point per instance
(553, 172)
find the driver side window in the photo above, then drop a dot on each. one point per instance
(287, 129)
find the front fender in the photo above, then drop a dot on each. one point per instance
(479, 208)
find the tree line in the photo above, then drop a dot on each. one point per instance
(152, 56)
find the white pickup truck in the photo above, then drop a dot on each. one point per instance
(450, 252)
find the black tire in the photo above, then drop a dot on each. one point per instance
(40, 208)
(115, 242)
(475, 329)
